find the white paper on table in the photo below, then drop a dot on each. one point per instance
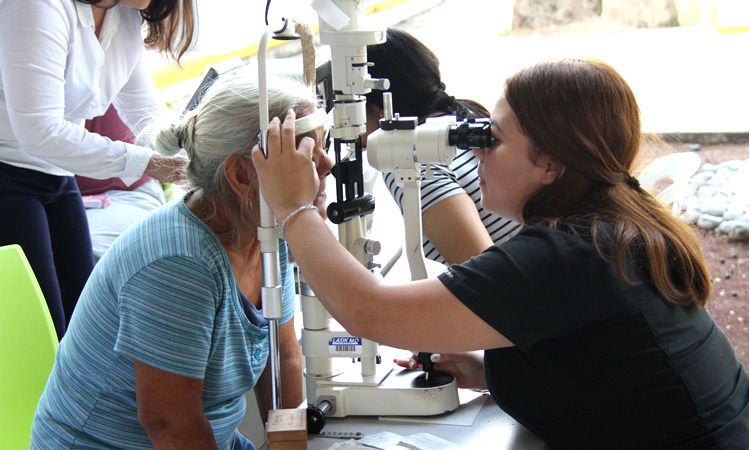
(391, 441)
(351, 444)
(427, 441)
(384, 440)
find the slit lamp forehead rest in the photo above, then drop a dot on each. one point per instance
(316, 119)
(302, 125)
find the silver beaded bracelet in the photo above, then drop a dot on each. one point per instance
(294, 213)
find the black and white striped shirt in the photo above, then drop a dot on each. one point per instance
(458, 177)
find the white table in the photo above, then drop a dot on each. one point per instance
(476, 424)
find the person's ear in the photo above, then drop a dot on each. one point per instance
(240, 175)
(374, 111)
(372, 121)
(553, 169)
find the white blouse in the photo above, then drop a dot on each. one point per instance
(55, 73)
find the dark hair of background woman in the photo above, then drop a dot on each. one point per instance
(414, 73)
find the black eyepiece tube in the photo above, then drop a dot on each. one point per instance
(471, 134)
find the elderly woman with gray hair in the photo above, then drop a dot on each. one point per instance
(168, 335)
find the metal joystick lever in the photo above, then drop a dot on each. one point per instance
(423, 358)
(316, 416)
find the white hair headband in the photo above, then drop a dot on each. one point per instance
(310, 122)
(302, 125)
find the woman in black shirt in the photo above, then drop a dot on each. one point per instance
(592, 318)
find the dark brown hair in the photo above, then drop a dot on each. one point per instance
(170, 25)
(584, 115)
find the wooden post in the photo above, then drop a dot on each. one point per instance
(287, 429)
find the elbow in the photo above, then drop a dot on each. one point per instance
(163, 428)
(40, 134)
(151, 422)
(159, 423)
(364, 316)
(360, 326)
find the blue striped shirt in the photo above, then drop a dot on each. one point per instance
(164, 294)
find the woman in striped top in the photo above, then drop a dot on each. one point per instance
(168, 335)
(451, 200)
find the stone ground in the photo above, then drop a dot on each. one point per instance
(727, 261)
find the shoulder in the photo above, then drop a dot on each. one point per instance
(69, 6)
(130, 17)
(128, 26)
(40, 13)
(537, 253)
(562, 237)
(170, 231)
(180, 231)
(465, 161)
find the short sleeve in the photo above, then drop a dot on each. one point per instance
(526, 288)
(442, 185)
(167, 313)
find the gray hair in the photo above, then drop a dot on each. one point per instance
(226, 123)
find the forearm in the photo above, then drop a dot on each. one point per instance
(291, 374)
(291, 389)
(337, 280)
(389, 314)
(262, 391)
(170, 409)
(188, 432)
(291, 381)
(139, 102)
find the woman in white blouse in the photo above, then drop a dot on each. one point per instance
(61, 62)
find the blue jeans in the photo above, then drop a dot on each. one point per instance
(44, 214)
(241, 442)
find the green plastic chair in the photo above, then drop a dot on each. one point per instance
(28, 343)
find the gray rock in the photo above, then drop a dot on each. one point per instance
(739, 233)
(708, 167)
(732, 165)
(707, 191)
(717, 198)
(714, 207)
(691, 215)
(734, 215)
(726, 225)
(709, 222)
